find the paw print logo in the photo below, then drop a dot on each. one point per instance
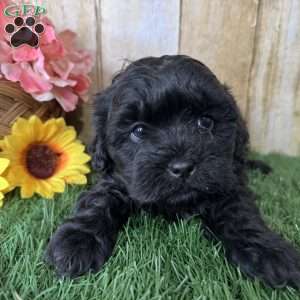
(24, 32)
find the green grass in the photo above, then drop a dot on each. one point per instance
(152, 259)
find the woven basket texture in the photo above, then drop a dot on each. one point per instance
(15, 102)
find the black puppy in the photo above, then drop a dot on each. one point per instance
(170, 140)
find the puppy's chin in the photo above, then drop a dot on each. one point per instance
(183, 195)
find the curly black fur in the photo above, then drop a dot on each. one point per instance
(174, 99)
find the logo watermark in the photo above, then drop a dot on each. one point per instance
(22, 8)
(25, 29)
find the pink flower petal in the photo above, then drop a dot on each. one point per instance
(3, 19)
(39, 66)
(43, 97)
(62, 83)
(83, 61)
(11, 72)
(48, 36)
(5, 52)
(29, 80)
(83, 84)
(25, 54)
(62, 67)
(54, 50)
(32, 82)
(68, 38)
(66, 98)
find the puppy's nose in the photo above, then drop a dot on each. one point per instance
(181, 169)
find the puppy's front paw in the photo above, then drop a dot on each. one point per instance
(277, 267)
(74, 252)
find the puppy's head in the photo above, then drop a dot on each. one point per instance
(171, 130)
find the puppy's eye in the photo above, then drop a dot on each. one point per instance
(137, 133)
(205, 123)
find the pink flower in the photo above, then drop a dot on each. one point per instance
(57, 69)
(23, 72)
(6, 54)
(83, 83)
(49, 33)
(3, 20)
(25, 53)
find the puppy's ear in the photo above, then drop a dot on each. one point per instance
(216, 90)
(241, 142)
(98, 148)
(242, 137)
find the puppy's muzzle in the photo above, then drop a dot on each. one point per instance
(181, 169)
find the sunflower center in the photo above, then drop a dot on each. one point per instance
(41, 161)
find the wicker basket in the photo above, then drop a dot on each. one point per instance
(14, 103)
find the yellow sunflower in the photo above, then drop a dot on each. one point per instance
(4, 185)
(43, 157)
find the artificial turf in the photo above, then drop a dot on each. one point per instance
(153, 259)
